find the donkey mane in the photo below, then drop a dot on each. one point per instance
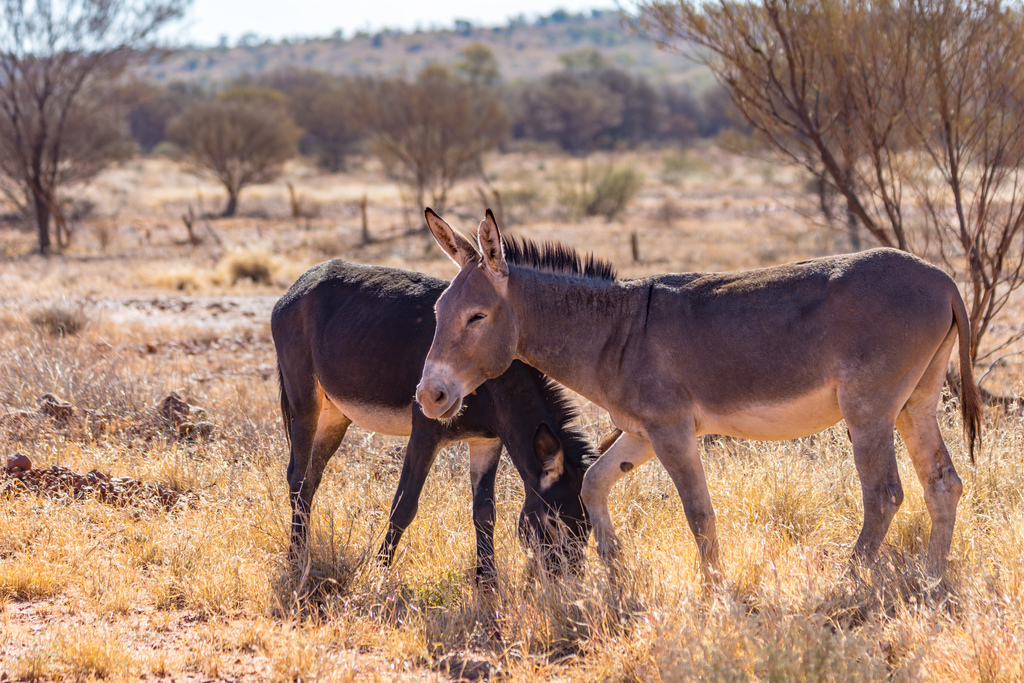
(555, 257)
(579, 453)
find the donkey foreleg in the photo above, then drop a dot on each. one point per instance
(483, 467)
(419, 456)
(678, 451)
(628, 452)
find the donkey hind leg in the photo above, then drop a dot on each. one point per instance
(483, 467)
(919, 428)
(874, 455)
(628, 451)
(302, 428)
(419, 456)
(678, 451)
(314, 442)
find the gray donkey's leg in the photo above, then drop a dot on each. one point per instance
(678, 451)
(919, 428)
(628, 451)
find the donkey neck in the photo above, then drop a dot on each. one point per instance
(571, 326)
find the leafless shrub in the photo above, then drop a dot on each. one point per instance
(255, 264)
(60, 319)
(433, 130)
(243, 137)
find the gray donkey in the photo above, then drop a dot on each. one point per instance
(774, 353)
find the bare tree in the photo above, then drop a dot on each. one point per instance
(433, 130)
(570, 109)
(325, 107)
(243, 137)
(57, 60)
(911, 111)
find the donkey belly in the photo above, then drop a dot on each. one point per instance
(789, 418)
(376, 418)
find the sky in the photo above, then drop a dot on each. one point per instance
(208, 20)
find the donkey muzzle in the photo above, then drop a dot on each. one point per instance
(437, 398)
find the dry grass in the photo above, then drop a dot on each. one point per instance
(60, 319)
(90, 591)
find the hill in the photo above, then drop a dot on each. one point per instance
(524, 51)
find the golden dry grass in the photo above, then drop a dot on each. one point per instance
(90, 591)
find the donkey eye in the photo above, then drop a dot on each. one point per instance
(478, 316)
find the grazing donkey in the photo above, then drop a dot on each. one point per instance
(350, 342)
(775, 353)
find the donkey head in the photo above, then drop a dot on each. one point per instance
(553, 524)
(476, 335)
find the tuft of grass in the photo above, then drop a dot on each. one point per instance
(614, 188)
(30, 580)
(605, 193)
(60, 319)
(90, 654)
(252, 263)
(183, 279)
(34, 665)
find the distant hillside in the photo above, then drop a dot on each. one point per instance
(524, 50)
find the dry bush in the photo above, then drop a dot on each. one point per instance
(614, 187)
(605, 192)
(182, 279)
(76, 371)
(60, 319)
(253, 263)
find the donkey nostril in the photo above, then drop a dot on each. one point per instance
(440, 396)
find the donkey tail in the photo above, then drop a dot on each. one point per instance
(286, 407)
(970, 397)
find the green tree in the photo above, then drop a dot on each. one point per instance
(478, 66)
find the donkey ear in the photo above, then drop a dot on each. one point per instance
(489, 239)
(549, 453)
(458, 248)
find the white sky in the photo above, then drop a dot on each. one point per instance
(208, 20)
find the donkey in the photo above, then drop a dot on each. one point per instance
(774, 353)
(350, 343)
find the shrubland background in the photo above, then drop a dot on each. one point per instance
(155, 292)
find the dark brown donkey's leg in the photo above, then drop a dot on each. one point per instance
(316, 434)
(419, 456)
(483, 467)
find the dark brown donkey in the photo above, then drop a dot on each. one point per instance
(776, 353)
(350, 342)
